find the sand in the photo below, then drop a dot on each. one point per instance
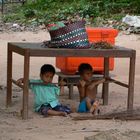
(61, 128)
(115, 135)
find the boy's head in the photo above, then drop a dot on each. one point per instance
(47, 72)
(85, 71)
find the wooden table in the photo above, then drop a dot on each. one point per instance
(36, 50)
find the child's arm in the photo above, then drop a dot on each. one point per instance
(81, 88)
(19, 81)
(62, 82)
(99, 82)
(94, 83)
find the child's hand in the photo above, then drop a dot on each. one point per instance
(103, 80)
(19, 81)
(62, 82)
(94, 83)
(91, 86)
(82, 83)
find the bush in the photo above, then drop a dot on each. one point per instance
(45, 11)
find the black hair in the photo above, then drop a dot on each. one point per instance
(47, 68)
(84, 67)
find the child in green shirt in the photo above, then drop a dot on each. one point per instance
(46, 99)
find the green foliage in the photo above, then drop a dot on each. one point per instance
(46, 11)
(19, 18)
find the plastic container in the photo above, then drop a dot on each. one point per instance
(69, 65)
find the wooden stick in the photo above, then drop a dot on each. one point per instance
(124, 115)
(118, 82)
(51, 84)
(37, 83)
(104, 117)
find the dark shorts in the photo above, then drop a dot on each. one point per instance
(44, 109)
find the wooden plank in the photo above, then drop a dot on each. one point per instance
(106, 84)
(118, 82)
(37, 50)
(26, 85)
(80, 53)
(16, 49)
(42, 84)
(73, 79)
(131, 82)
(9, 76)
(124, 115)
(50, 84)
(77, 75)
(28, 45)
(106, 117)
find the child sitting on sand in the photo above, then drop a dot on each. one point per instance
(87, 89)
(46, 96)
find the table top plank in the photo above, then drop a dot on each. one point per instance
(37, 49)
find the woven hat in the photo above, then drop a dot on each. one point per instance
(73, 35)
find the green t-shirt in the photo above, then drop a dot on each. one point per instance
(44, 94)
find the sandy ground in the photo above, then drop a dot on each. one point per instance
(56, 128)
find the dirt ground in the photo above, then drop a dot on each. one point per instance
(56, 128)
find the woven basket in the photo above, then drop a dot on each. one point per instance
(71, 36)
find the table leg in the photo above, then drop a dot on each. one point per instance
(70, 91)
(9, 77)
(26, 85)
(106, 85)
(61, 87)
(131, 82)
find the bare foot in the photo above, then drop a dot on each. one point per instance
(73, 109)
(62, 114)
(94, 107)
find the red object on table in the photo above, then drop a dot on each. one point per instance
(69, 65)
